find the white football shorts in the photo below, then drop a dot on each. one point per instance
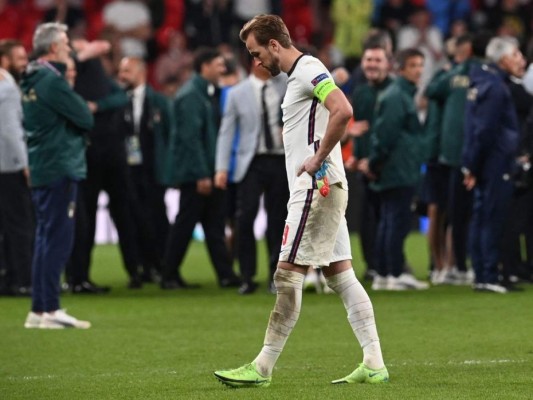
(316, 233)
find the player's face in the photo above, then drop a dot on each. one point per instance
(127, 74)
(212, 71)
(375, 65)
(266, 58)
(413, 69)
(514, 63)
(18, 59)
(62, 48)
(70, 73)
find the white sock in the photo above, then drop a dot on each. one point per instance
(360, 315)
(282, 319)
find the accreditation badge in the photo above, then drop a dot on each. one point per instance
(133, 150)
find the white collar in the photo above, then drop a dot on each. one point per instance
(257, 82)
(8, 76)
(139, 91)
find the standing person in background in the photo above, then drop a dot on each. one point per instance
(520, 216)
(315, 115)
(423, 35)
(259, 166)
(491, 142)
(193, 149)
(107, 170)
(450, 90)
(16, 213)
(394, 166)
(147, 126)
(375, 65)
(230, 77)
(55, 120)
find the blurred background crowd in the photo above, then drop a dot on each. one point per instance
(166, 49)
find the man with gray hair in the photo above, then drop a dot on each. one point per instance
(491, 141)
(55, 121)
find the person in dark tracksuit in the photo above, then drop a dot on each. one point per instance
(376, 67)
(491, 141)
(55, 121)
(450, 90)
(394, 164)
(192, 160)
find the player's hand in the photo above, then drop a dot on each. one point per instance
(310, 165)
(92, 106)
(221, 180)
(364, 167)
(26, 173)
(469, 181)
(351, 164)
(357, 128)
(204, 186)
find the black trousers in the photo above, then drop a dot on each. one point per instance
(369, 217)
(150, 214)
(18, 228)
(265, 176)
(459, 214)
(107, 170)
(519, 221)
(209, 211)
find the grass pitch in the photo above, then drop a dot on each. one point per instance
(444, 343)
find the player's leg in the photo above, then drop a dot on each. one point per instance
(288, 279)
(341, 278)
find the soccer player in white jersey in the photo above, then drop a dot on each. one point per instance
(315, 114)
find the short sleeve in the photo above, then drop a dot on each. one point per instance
(316, 79)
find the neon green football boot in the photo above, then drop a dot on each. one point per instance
(363, 374)
(245, 376)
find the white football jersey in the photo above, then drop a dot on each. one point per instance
(304, 122)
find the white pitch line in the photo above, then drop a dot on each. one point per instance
(103, 375)
(466, 362)
(391, 364)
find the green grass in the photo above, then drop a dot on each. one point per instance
(445, 343)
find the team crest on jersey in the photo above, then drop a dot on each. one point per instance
(319, 79)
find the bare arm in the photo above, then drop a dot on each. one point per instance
(340, 112)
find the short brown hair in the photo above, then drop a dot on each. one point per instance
(403, 55)
(266, 27)
(7, 46)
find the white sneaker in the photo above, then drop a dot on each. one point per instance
(462, 279)
(436, 277)
(495, 288)
(395, 284)
(312, 282)
(379, 283)
(33, 320)
(60, 320)
(324, 285)
(412, 283)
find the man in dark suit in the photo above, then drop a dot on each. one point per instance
(107, 170)
(253, 109)
(147, 125)
(193, 168)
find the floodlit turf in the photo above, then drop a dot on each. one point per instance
(445, 343)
